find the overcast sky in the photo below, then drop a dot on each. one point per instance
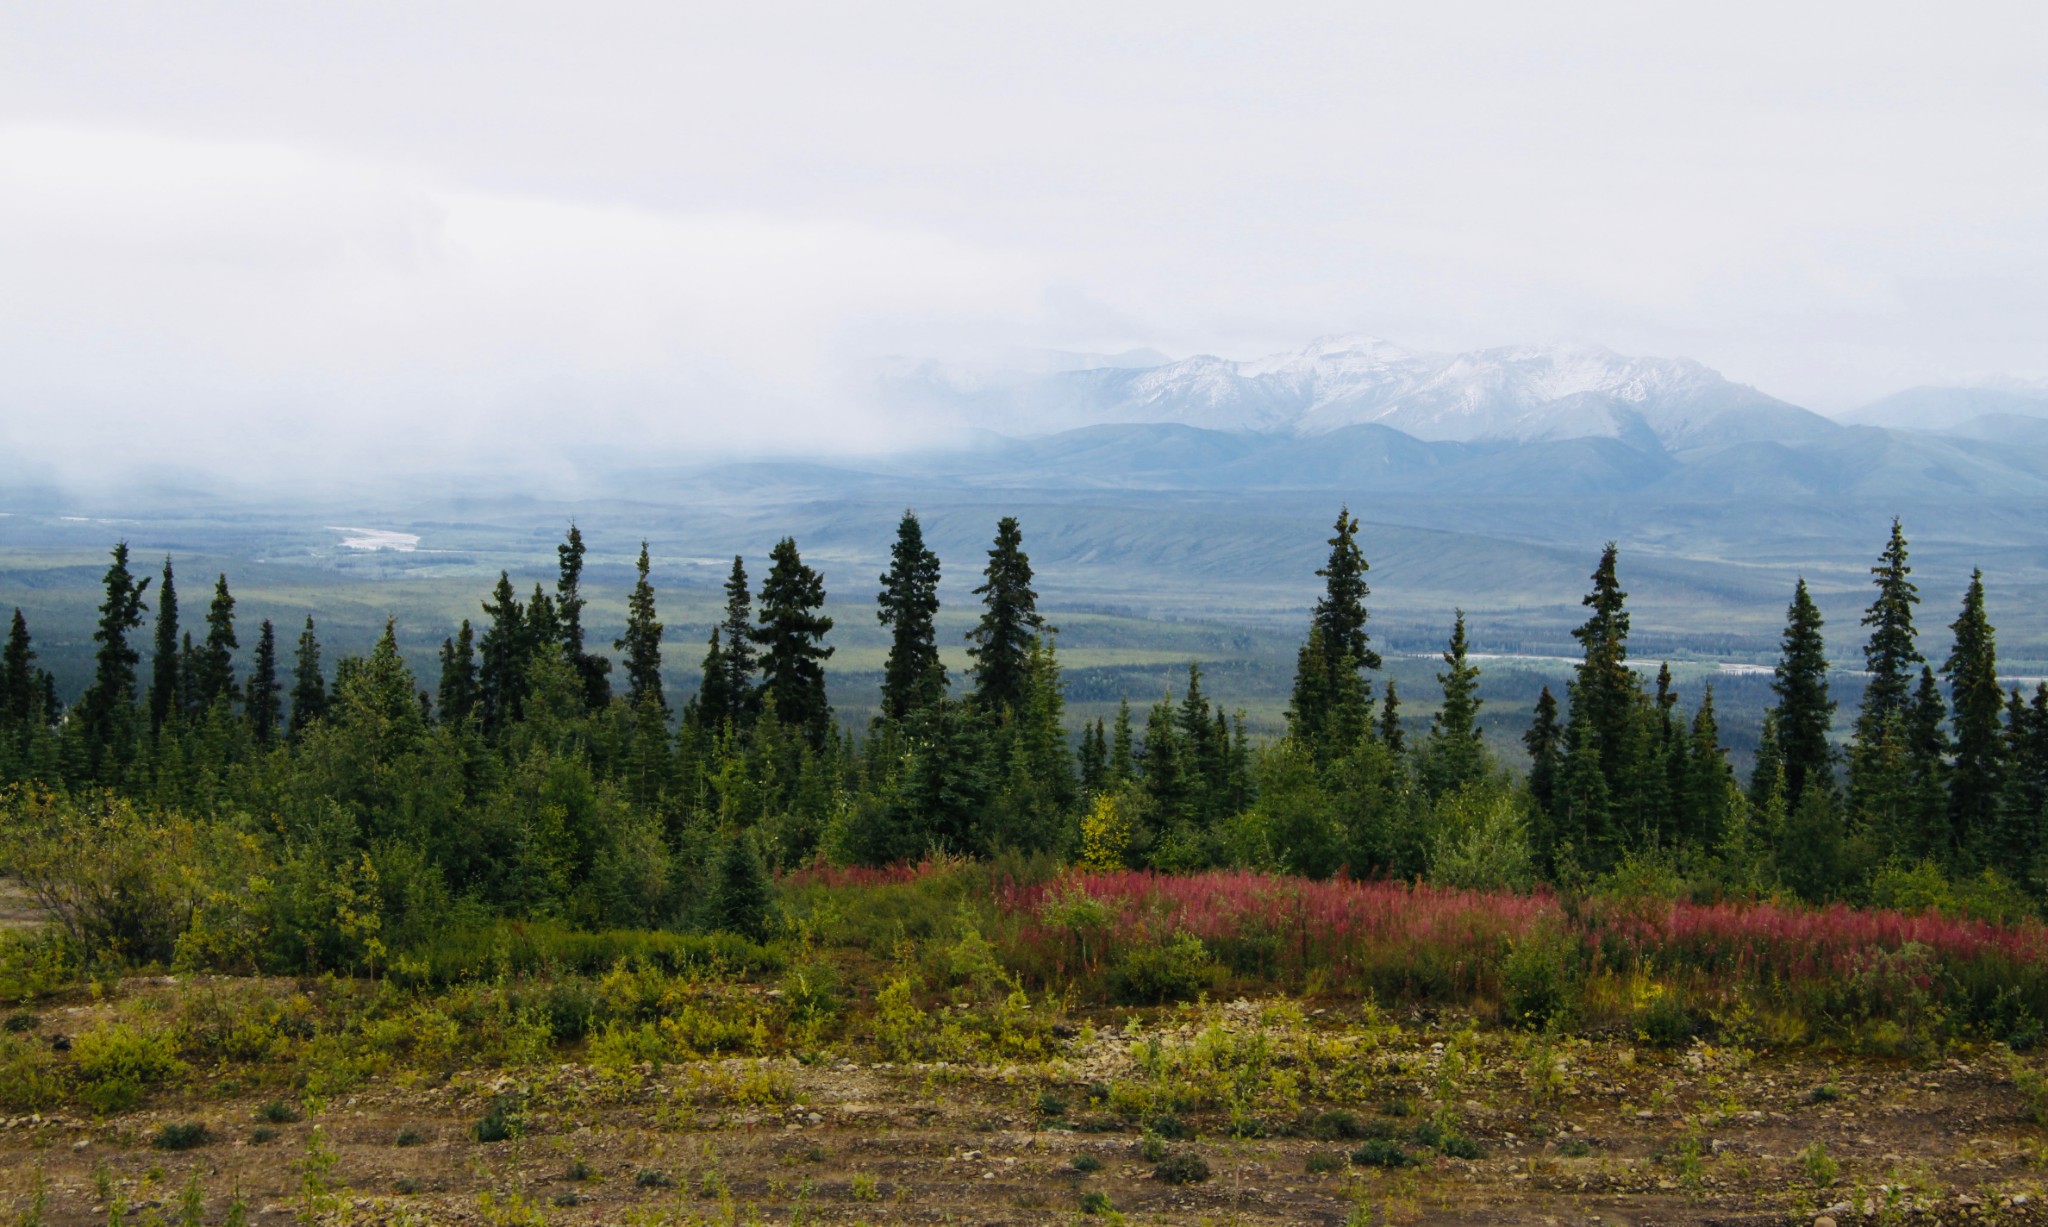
(341, 229)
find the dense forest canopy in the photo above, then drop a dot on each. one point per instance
(539, 777)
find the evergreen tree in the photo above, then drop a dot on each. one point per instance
(735, 696)
(1122, 755)
(2014, 842)
(262, 703)
(457, 694)
(1768, 772)
(1390, 722)
(791, 637)
(1927, 755)
(213, 673)
(309, 684)
(1001, 641)
(1330, 709)
(166, 688)
(1805, 712)
(503, 656)
(1455, 753)
(1545, 743)
(1341, 614)
(1606, 690)
(739, 901)
(1707, 791)
(1094, 760)
(590, 667)
(21, 704)
(106, 709)
(1978, 701)
(642, 642)
(907, 604)
(1890, 653)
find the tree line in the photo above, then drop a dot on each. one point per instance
(543, 776)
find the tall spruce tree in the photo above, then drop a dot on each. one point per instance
(309, 684)
(1122, 753)
(591, 668)
(107, 708)
(261, 702)
(166, 687)
(1707, 790)
(502, 659)
(213, 673)
(1391, 732)
(727, 693)
(1341, 613)
(791, 637)
(1545, 742)
(1978, 701)
(1454, 754)
(1927, 755)
(642, 641)
(1805, 712)
(1890, 653)
(1001, 641)
(20, 697)
(456, 695)
(1606, 688)
(907, 605)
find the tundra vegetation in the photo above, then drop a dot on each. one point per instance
(530, 946)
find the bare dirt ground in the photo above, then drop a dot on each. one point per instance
(1600, 1131)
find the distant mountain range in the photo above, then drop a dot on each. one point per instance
(1515, 395)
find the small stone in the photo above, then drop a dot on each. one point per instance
(1824, 1220)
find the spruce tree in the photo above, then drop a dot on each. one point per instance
(1707, 790)
(309, 684)
(791, 637)
(1094, 758)
(1454, 754)
(1890, 653)
(713, 704)
(213, 675)
(1805, 712)
(166, 688)
(456, 695)
(739, 900)
(107, 708)
(738, 692)
(642, 642)
(907, 605)
(1341, 613)
(591, 667)
(1122, 755)
(1978, 701)
(2013, 842)
(1390, 730)
(502, 659)
(1927, 755)
(1545, 742)
(1001, 641)
(20, 697)
(262, 704)
(1606, 691)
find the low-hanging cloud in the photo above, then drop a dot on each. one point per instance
(171, 301)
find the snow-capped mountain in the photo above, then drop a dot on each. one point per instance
(1517, 394)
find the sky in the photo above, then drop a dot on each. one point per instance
(265, 235)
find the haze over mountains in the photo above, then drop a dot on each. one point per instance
(1519, 420)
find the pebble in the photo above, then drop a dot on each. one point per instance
(1825, 1220)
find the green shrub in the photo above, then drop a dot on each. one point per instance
(501, 1123)
(31, 1076)
(1664, 1021)
(279, 1112)
(1096, 1202)
(653, 1178)
(117, 1065)
(1320, 1162)
(1537, 983)
(1335, 1127)
(409, 1136)
(1086, 1164)
(22, 1022)
(1155, 973)
(1380, 1152)
(181, 1135)
(261, 1135)
(1051, 1105)
(1183, 1168)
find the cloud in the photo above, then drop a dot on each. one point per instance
(172, 300)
